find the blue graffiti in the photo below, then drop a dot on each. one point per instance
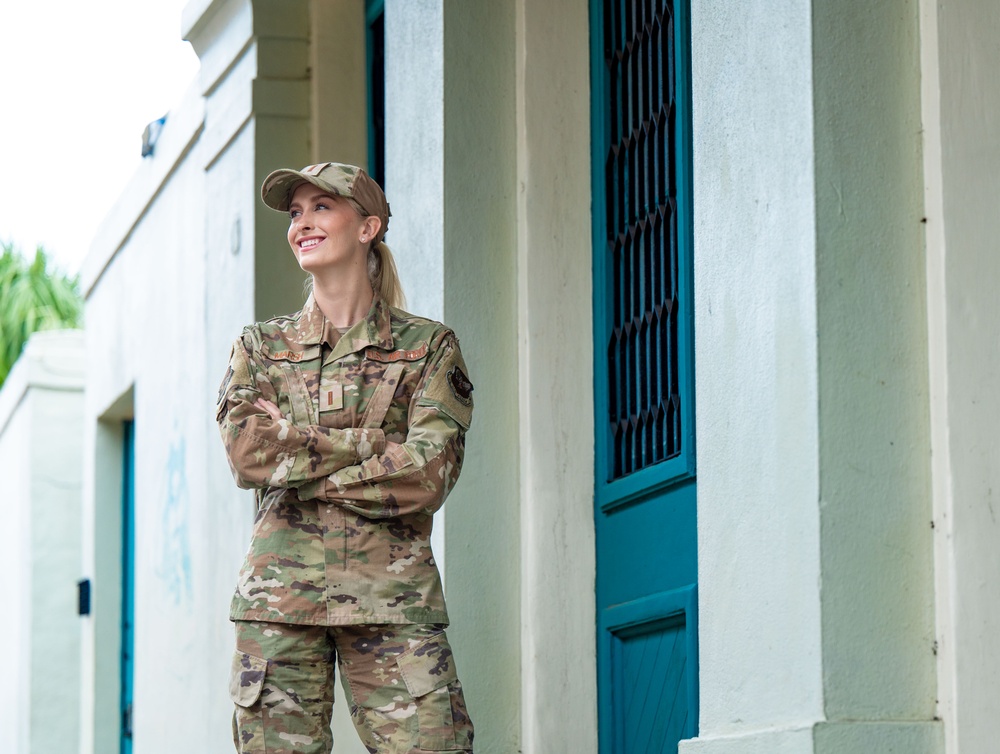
(175, 559)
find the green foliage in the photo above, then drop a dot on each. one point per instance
(33, 297)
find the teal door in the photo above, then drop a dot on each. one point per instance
(128, 585)
(644, 377)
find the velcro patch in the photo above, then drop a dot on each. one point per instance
(450, 388)
(460, 385)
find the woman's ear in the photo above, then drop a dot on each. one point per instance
(372, 226)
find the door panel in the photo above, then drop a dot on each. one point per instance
(645, 513)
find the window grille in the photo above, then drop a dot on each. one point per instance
(640, 176)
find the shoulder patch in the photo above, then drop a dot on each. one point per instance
(450, 387)
(460, 385)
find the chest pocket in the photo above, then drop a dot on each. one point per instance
(288, 374)
(387, 406)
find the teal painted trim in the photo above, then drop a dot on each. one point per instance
(373, 9)
(644, 483)
(675, 603)
(599, 136)
(127, 667)
(612, 494)
(685, 226)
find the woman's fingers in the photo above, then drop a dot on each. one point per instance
(271, 409)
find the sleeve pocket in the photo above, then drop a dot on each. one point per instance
(427, 666)
(246, 678)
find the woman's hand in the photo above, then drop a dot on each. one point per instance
(269, 407)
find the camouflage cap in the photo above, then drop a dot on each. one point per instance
(335, 179)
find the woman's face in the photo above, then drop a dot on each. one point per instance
(325, 231)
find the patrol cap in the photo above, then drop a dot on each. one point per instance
(335, 179)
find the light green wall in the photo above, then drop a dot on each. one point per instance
(282, 130)
(877, 567)
(481, 521)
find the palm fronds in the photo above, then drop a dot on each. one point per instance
(33, 297)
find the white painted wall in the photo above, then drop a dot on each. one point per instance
(41, 407)
(756, 374)
(555, 360)
(170, 279)
(961, 107)
(174, 275)
(414, 150)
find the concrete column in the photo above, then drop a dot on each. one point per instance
(451, 176)
(555, 361)
(815, 568)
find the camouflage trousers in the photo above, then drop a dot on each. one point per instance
(399, 682)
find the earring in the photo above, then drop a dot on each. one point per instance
(364, 239)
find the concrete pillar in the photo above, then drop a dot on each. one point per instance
(555, 361)
(815, 567)
(451, 176)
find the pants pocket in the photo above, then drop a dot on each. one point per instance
(246, 681)
(428, 670)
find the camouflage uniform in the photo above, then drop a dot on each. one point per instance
(341, 539)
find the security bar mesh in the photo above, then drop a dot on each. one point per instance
(641, 195)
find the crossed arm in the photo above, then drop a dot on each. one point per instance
(356, 468)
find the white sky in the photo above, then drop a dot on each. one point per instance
(79, 81)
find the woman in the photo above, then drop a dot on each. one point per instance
(348, 420)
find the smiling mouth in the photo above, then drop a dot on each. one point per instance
(309, 243)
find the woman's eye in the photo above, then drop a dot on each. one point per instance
(322, 206)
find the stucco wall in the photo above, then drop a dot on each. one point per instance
(172, 278)
(555, 361)
(815, 570)
(41, 407)
(962, 165)
(482, 528)
(877, 565)
(450, 175)
(151, 305)
(756, 373)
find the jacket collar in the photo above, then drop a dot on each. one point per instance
(374, 330)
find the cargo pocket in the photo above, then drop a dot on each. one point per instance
(428, 670)
(246, 681)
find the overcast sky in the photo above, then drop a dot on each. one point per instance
(79, 81)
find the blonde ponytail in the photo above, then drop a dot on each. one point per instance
(383, 275)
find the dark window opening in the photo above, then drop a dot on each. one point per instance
(375, 20)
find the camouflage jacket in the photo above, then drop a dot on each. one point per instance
(342, 531)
